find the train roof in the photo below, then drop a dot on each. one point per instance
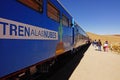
(69, 14)
(64, 8)
(67, 11)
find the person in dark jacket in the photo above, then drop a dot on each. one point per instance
(99, 44)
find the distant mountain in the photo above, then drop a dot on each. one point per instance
(117, 35)
(112, 39)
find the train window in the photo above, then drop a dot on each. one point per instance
(65, 20)
(34, 4)
(70, 23)
(53, 12)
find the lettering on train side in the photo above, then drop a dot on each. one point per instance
(15, 30)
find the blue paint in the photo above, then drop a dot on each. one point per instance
(18, 50)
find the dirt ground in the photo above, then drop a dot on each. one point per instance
(97, 65)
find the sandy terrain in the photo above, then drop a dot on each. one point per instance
(97, 65)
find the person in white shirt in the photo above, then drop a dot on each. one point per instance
(105, 46)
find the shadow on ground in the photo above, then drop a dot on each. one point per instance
(65, 72)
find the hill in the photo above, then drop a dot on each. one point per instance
(112, 39)
(117, 35)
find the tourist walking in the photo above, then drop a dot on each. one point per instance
(99, 44)
(95, 43)
(105, 46)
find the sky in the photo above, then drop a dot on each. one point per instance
(96, 16)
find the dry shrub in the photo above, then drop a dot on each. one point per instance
(116, 48)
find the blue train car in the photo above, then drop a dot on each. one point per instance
(33, 32)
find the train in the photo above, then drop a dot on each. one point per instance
(33, 34)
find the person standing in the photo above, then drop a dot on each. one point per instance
(99, 44)
(95, 43)
(105, 46)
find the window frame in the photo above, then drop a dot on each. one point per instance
(65, 22)
(55, 17)
(33, 4)
(70, 23)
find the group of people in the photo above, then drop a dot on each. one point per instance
(98, 45)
